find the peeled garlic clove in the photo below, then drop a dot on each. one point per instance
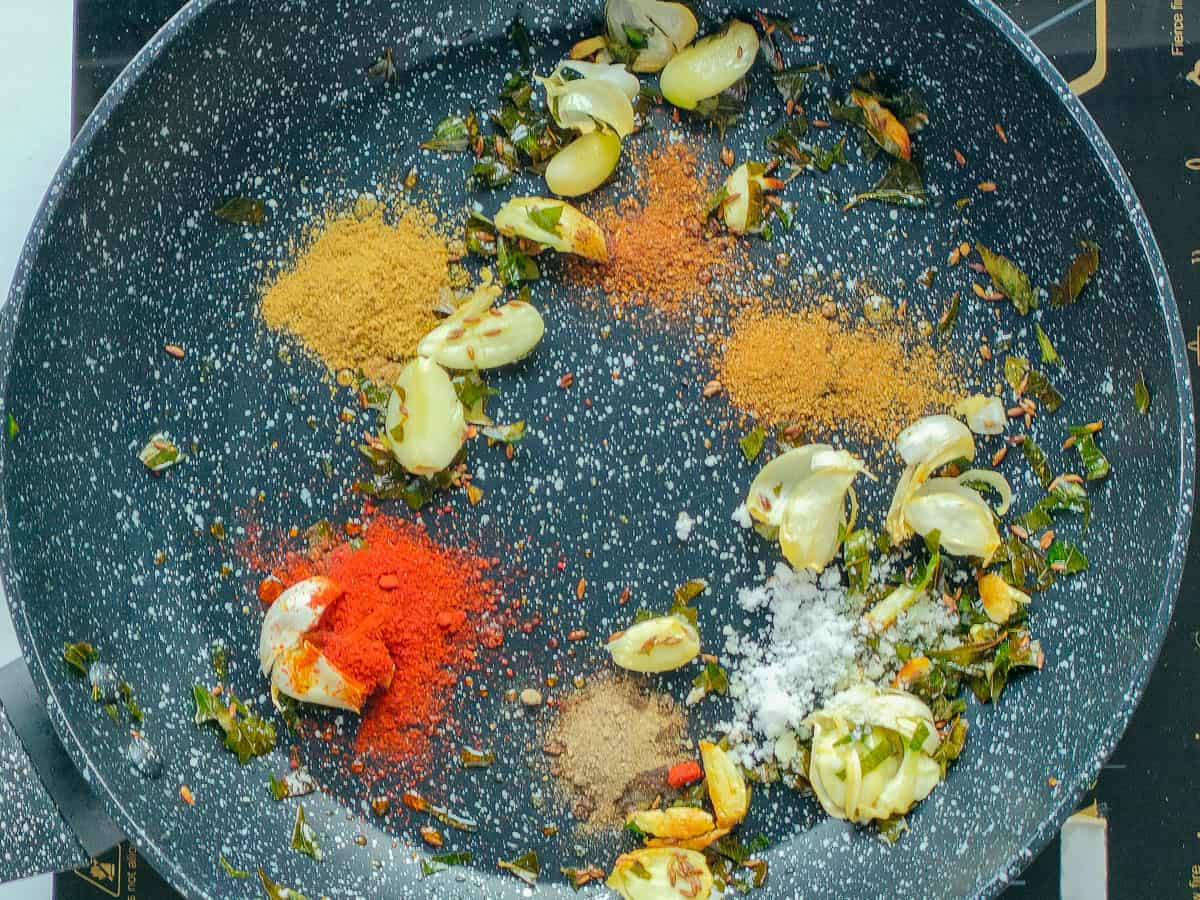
(709, 66)
(808, 534)
(883, 614)
(661, 874)
(742, 209)
(660, 644)
(500, 336)
(294, 613)
(772, 485)
(425, 425)
(999, 598)
(303, 672)
(675, 822)
(960, 516)
(727, 787)
(584, 164)
(664, 28)
(984, 414)
(573, 232)
(614, 74)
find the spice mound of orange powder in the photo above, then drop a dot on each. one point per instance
(407, 602)
(823, 375)
(660, 250)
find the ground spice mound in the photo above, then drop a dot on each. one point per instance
(360, 292)
(825, 375)
(611, 746)
(409, 601)
(660, 250)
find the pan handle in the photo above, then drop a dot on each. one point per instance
(51, 819)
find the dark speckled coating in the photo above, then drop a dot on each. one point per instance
(269, 99)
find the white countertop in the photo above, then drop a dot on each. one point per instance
(35, 129)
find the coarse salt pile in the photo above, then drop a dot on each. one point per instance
(808, 651)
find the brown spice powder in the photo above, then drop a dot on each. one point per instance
(360, 293)
(611, 746)
(660, 250)
(823, 375)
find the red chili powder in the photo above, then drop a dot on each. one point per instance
(407, 602)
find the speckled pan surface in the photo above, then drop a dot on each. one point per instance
(269, 98)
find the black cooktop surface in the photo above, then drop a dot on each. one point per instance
(1136, 66)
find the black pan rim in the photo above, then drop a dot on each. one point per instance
(1029, 843)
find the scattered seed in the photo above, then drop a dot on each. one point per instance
(580, 588)
(1001, 133)
(474, 494)
(953, 258)
(979, 290)
(388, 582)
(531, 697)
(174, 350)
(712, 389)
(1019, 531)
(977, 267)
(431, 836)
(820, 123)
(1093, 427)
(186, 793)
(577, 634)
(1046, 540)
(1069, 443)
(727, 156)
(1016, 412)
(1021, 388)
(1059, 566)
(1072, 478)
(959, 158)
(985, 352)
(964, 249)
(566, 380)
(987, 186)
(998, 456)
(1016, 440)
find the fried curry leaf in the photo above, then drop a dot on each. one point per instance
(276, 891)
(242, 211)
(531, 131)
(218, 655)
(786, 141)
(1065, 495)
(952, 744)
(294, 784)
(519, 35)
(713, 679)
(1036, 457)
(1078, 273)
(856, 557)
(12, 428)
(229, 868)
(246, 734)
(525, 867)
(1011, 281)
(1025, 379)
(481, 236)
(473, 393)
(159, 453)
(546, 218)
(491, 170)
(892, 828)
(723, 110)
(1095, 463)
(682, 599)
(901, 185)
(453, 134)
(1141, 394)
(506, 434)
(384, 67)
(304, 839)
(752, 443)
(80, 656)
(1049, 355)
(578, 877)
(950, 315)
(1066, 558)
(514, 265)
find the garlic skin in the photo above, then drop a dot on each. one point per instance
(669, 27)
(479, 335)
(661, 644)
(985, 414)
(925, 446)
(584, 164)
(709, 66)
(590, 96)
(858, 723)
(294, 665)
(425, 424)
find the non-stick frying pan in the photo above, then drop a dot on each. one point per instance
(270, 99)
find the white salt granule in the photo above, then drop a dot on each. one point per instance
(741, 515)
(804, 655)
(684, 525)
